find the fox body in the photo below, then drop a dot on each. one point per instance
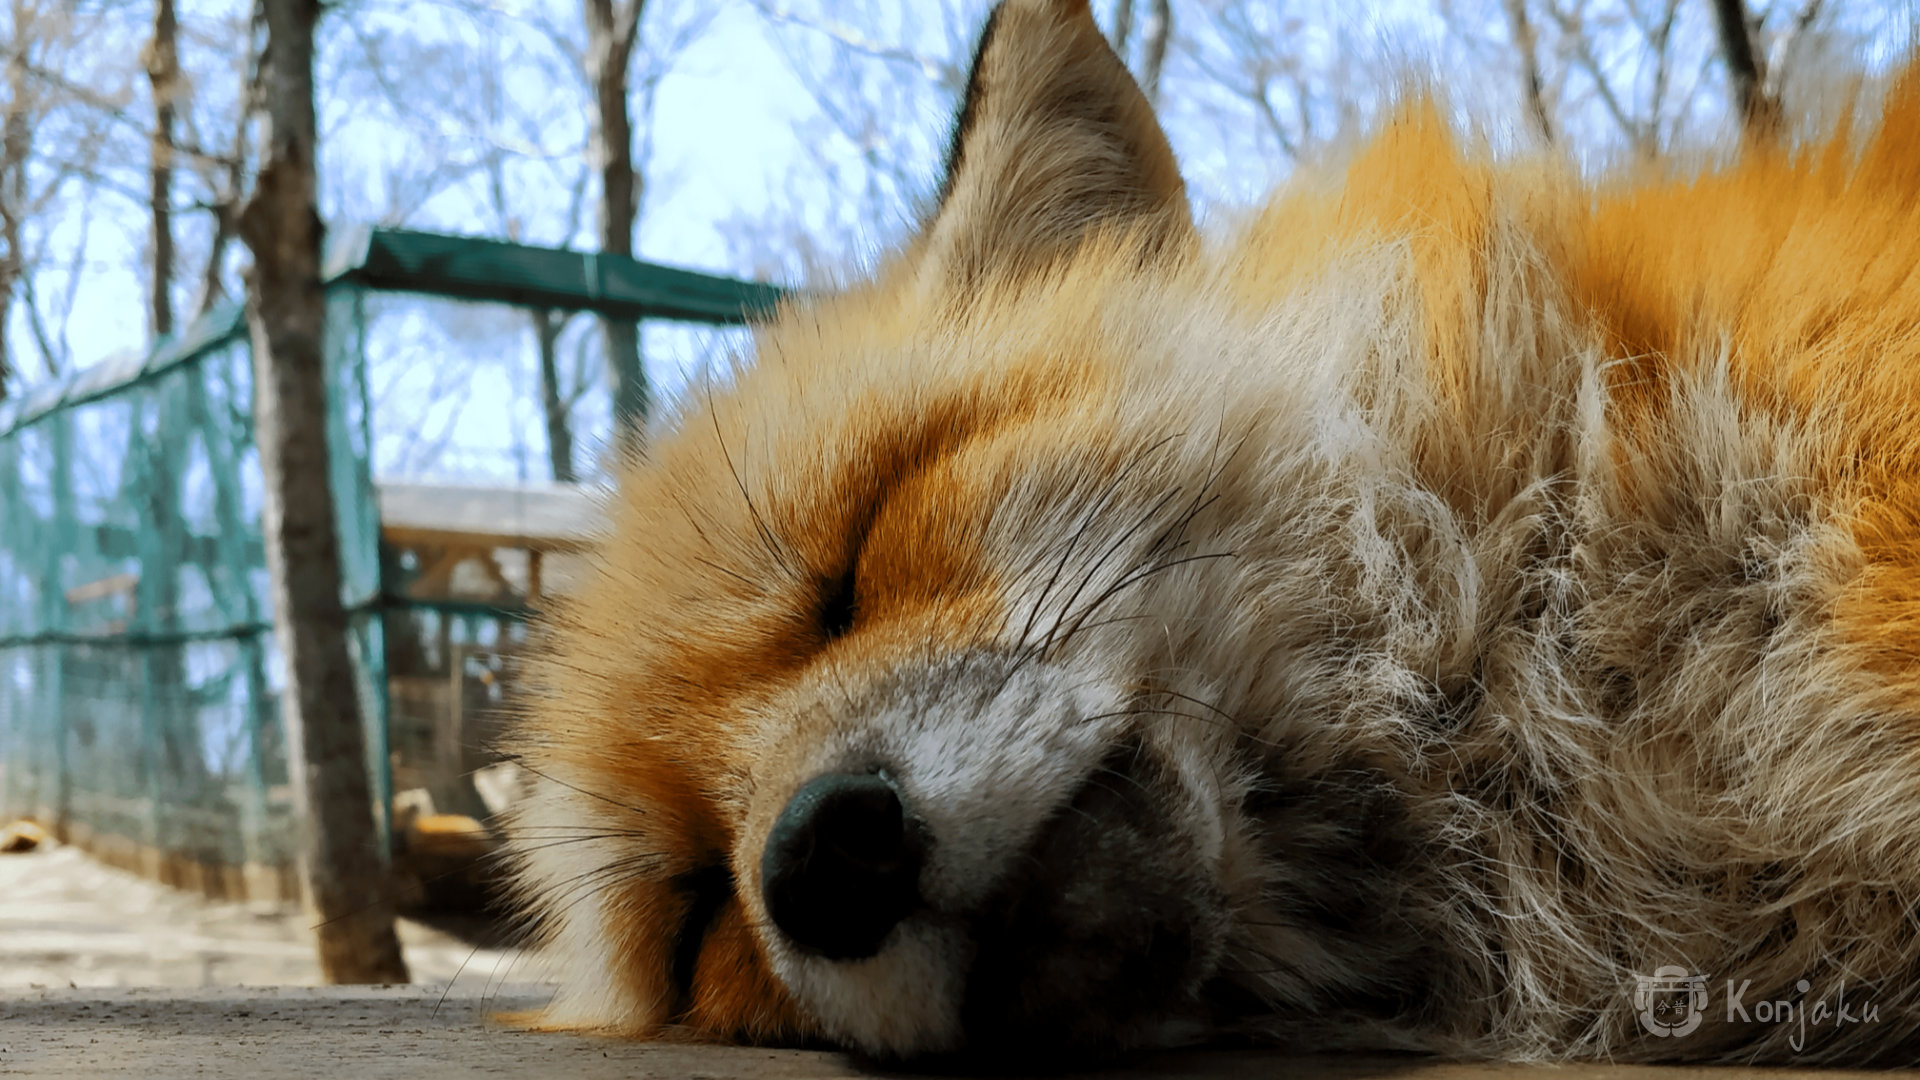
(1400, 624)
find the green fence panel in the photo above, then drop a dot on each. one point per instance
(140, 681)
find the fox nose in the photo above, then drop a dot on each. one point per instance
(842, 865)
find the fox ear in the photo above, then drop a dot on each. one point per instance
(1054, 141)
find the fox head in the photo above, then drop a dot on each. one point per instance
(900, 710)
(1376, 630)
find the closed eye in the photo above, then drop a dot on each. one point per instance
(839, 606)
(708, 889)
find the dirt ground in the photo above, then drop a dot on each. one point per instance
(68, 921)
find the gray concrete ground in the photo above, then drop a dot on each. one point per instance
(103, 974)
(410, 1032)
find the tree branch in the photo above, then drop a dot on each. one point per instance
(1154, 37)
(1532, 86)
(945, 74)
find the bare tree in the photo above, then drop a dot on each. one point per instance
(1155, 35)
(873, 71)
(1746, 69)
(16, 133)
(557, 402)
(613, 28)
(1244, 86)
(27, 105)
(64, 132)
(1532, 84)
(1269, 80)
(1122, 35)
(343, 870)
(162, 62)
(553, 402)
(1598, 76)
(225, 177)
(1790, 44)
(531, 162)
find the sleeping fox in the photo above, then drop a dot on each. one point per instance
(1467, 610)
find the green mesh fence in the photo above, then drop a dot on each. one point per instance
(139, 678)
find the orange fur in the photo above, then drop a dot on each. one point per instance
(1802, 269)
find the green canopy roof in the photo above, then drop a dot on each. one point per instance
(460, 267)
(474, 269)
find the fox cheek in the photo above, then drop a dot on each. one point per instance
(732, 992)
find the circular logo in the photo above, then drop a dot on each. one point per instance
(1672, 1001)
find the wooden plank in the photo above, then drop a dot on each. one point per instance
(555, 517)
(103, 588)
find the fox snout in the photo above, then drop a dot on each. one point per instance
(1096, 929)
(841, 867)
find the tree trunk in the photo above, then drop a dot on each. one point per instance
(16, 138)
(163, 72)
(613, 26)
(343, 869)
(1759, 115)
(546, 332)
